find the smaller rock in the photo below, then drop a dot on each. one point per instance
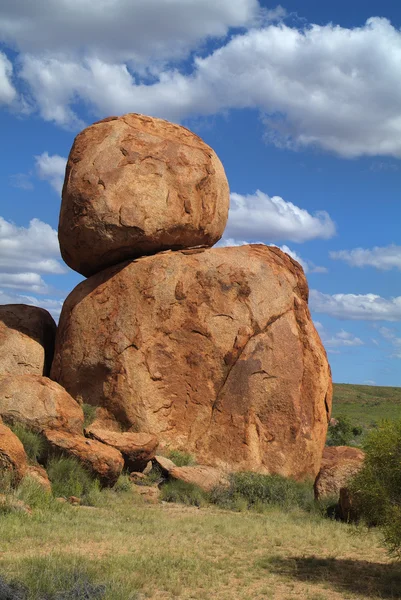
(74, 500)
(61, 500)
(150, 494)
(27, 335)
(137, 448)
(339, 465)
(103, 461)
(38, 403)
(39, 474)
(148, 468)
(203, 476)
(13, 459)
(165, 464)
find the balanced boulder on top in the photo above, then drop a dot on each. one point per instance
(136, 185)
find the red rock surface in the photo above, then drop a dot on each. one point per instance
(13, 459)
(26, 339)
(136, 185)
(104, 462)
(203, 476)
(137, 448)
(212, 351)
(38, 403)
(339, 465)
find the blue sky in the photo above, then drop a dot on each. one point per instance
(301, 101)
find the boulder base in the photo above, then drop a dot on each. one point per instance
(137, 448)
(136, 185)
(204, 477)
(26, 339)
(213, 351)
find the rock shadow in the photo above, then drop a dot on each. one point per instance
(367, 579)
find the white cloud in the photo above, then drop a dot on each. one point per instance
(369, 307)
(326, 86)
(342, 338)
(369, 382)
(7, 91)
(122, 30)
(259, 216)
(53, 306)
(32, 249)
(30, 282)
(383, 258)
(51, 168)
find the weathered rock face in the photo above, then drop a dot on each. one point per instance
(13, 459)
(26, 339)
(137, 448)
(136, 185)
(212, 351)
(339, 465)
(104, 462)
(38, 403)
(203, 476)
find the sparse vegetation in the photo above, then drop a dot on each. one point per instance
(34, 444)
(180, 458)
(89, 414)
(186, 493)
(69, 478)
(344, 432)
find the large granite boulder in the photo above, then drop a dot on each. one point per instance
(339, 465)
(13, 460)
(26, 339)
(213, 351)
(137, 185)
(38, 403)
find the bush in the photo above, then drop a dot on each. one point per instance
(344, 433)
(181, 459)
(69, 478)
(376, 489)
(256, 491)
(34, 444)
(123, 484)
(183, 492)
(33, 494)
(89, 414)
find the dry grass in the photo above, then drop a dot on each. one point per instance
(171, 551)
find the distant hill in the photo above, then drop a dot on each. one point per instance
(366, 405)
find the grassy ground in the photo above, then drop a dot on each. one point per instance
(168, 551)
(366, 405)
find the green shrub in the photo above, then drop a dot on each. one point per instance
(33, 494)
(183, 492)
(123, 484)
(34, 444)
(258, 490)
(69, 478)
(376, 489)
(344, 433)
(181, 459)
(89, 414)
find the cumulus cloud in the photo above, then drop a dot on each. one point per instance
(51, 168)
(342, 338)
(259, 216)
(369, 307)
(327, 86)
(54, 306)
(383, 258)
(32, 249)
(7, 91)
(123, 30)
